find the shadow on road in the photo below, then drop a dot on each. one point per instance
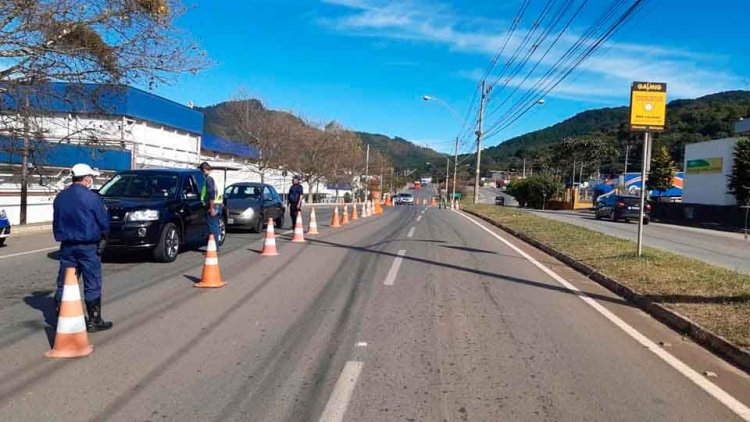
(45, 303)
(468, 249)
(532, 283)
(192, 279)
(699, 299)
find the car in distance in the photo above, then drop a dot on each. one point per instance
(158, 210)
(621, 207)
(4, 227)
(405, 199)
(250, 205)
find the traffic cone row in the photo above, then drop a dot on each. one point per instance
(211, 277)
(269, 246)
(345, 216)
(299, 232)
(354, 212)
(313, 226)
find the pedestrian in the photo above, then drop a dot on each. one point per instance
(209, 197)
(294, 199)
(80, 222)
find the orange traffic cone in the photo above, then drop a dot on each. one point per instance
(299, 232)
(434, 203)
(71, 339)
(269, 246)
(335, 223)
(313, 226)
(345, 216)
(211, 277)
(354, 212)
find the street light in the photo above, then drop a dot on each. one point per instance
(455, 158)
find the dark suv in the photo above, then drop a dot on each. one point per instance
(160, 210)
(621, 207)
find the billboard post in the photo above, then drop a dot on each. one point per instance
(648, 111)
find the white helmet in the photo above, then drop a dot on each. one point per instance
(80, 170)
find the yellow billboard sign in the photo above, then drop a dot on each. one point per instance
(705, 165)
(648, 106)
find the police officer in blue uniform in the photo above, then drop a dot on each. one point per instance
(294, 199)
(80, 223)
(209, 197)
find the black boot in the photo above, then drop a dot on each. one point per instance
(95, 322)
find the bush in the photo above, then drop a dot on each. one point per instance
(534, 191)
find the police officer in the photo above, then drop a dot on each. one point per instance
(80, 223)
(294, 199)
(208, 197)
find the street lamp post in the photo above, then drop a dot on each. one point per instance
(455, 154)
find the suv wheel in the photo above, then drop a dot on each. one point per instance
(169, 244)
(222, 231)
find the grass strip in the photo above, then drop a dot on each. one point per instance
(716, 298)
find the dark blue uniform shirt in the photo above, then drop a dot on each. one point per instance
(295, 193)
(80, 216)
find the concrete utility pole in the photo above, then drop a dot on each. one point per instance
(447, 174)
(627, 153)
(482, 104)
(455, 170)
(367, 172)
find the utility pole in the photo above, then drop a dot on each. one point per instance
(627, 153)
(479, 141)
(644, 180)
(455, 171)
(447, 174)
(367, 172)
(25, 164)
(524, 167)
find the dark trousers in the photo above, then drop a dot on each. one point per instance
(87, 262)
(293, 212)
(213, 224)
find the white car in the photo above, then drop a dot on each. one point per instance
(405, 199)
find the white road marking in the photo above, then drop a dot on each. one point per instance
(727, 400)
(342, 393)
(411, 232)
(362, 344)
(29, 252)
(393, 272)
(419, 219)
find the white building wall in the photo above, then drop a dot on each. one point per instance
(709, 189)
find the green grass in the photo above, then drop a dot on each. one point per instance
(715, 298)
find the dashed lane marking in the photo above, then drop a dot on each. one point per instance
(390, 279)
(411, 232)
(342, 392)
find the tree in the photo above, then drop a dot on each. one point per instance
(102, 41)
(662, 171)
(739, 179)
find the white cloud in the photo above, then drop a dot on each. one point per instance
(604, 75)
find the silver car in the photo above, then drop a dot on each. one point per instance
(250, 205)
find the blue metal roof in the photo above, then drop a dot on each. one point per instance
(113, 100)
(224, 146)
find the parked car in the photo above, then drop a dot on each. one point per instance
(405, 199)
(158, 210)
(621, 207)
(4, 227)
(250, 205)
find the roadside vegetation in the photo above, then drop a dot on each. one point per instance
(715, 298)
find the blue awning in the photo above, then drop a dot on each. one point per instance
(225, 146)
(65, 155)
(111, 100)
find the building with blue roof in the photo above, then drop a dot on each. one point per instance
(110, 127)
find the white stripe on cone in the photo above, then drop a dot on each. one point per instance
(71, 294)
(212, 261)
(71, 325)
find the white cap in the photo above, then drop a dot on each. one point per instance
(80, 170)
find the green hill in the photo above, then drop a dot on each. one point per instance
(403, 154)
(688, 121)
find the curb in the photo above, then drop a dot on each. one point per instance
(28, 229)
(706, 338)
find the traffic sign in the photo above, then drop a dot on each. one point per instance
(648, 106)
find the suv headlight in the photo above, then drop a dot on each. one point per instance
(3, 215)
(143, 215)
(248, 213)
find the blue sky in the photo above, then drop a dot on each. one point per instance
(366, 63)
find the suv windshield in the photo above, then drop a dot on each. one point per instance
(140, 185)
(242, 192)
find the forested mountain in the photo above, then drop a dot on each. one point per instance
(688, 121)
(404, 154)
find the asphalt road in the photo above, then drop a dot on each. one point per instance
(723, 249)
(415, 315)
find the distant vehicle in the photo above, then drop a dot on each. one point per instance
(417, 184)
(405, 199)
(250, 205)
(4, 227)
(621, 207)
(158, 210)
(425, 181)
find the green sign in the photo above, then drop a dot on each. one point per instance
(457, 195)
(705, 166)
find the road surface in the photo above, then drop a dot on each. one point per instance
(419, 314)
(723, 249)
(487, 196)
